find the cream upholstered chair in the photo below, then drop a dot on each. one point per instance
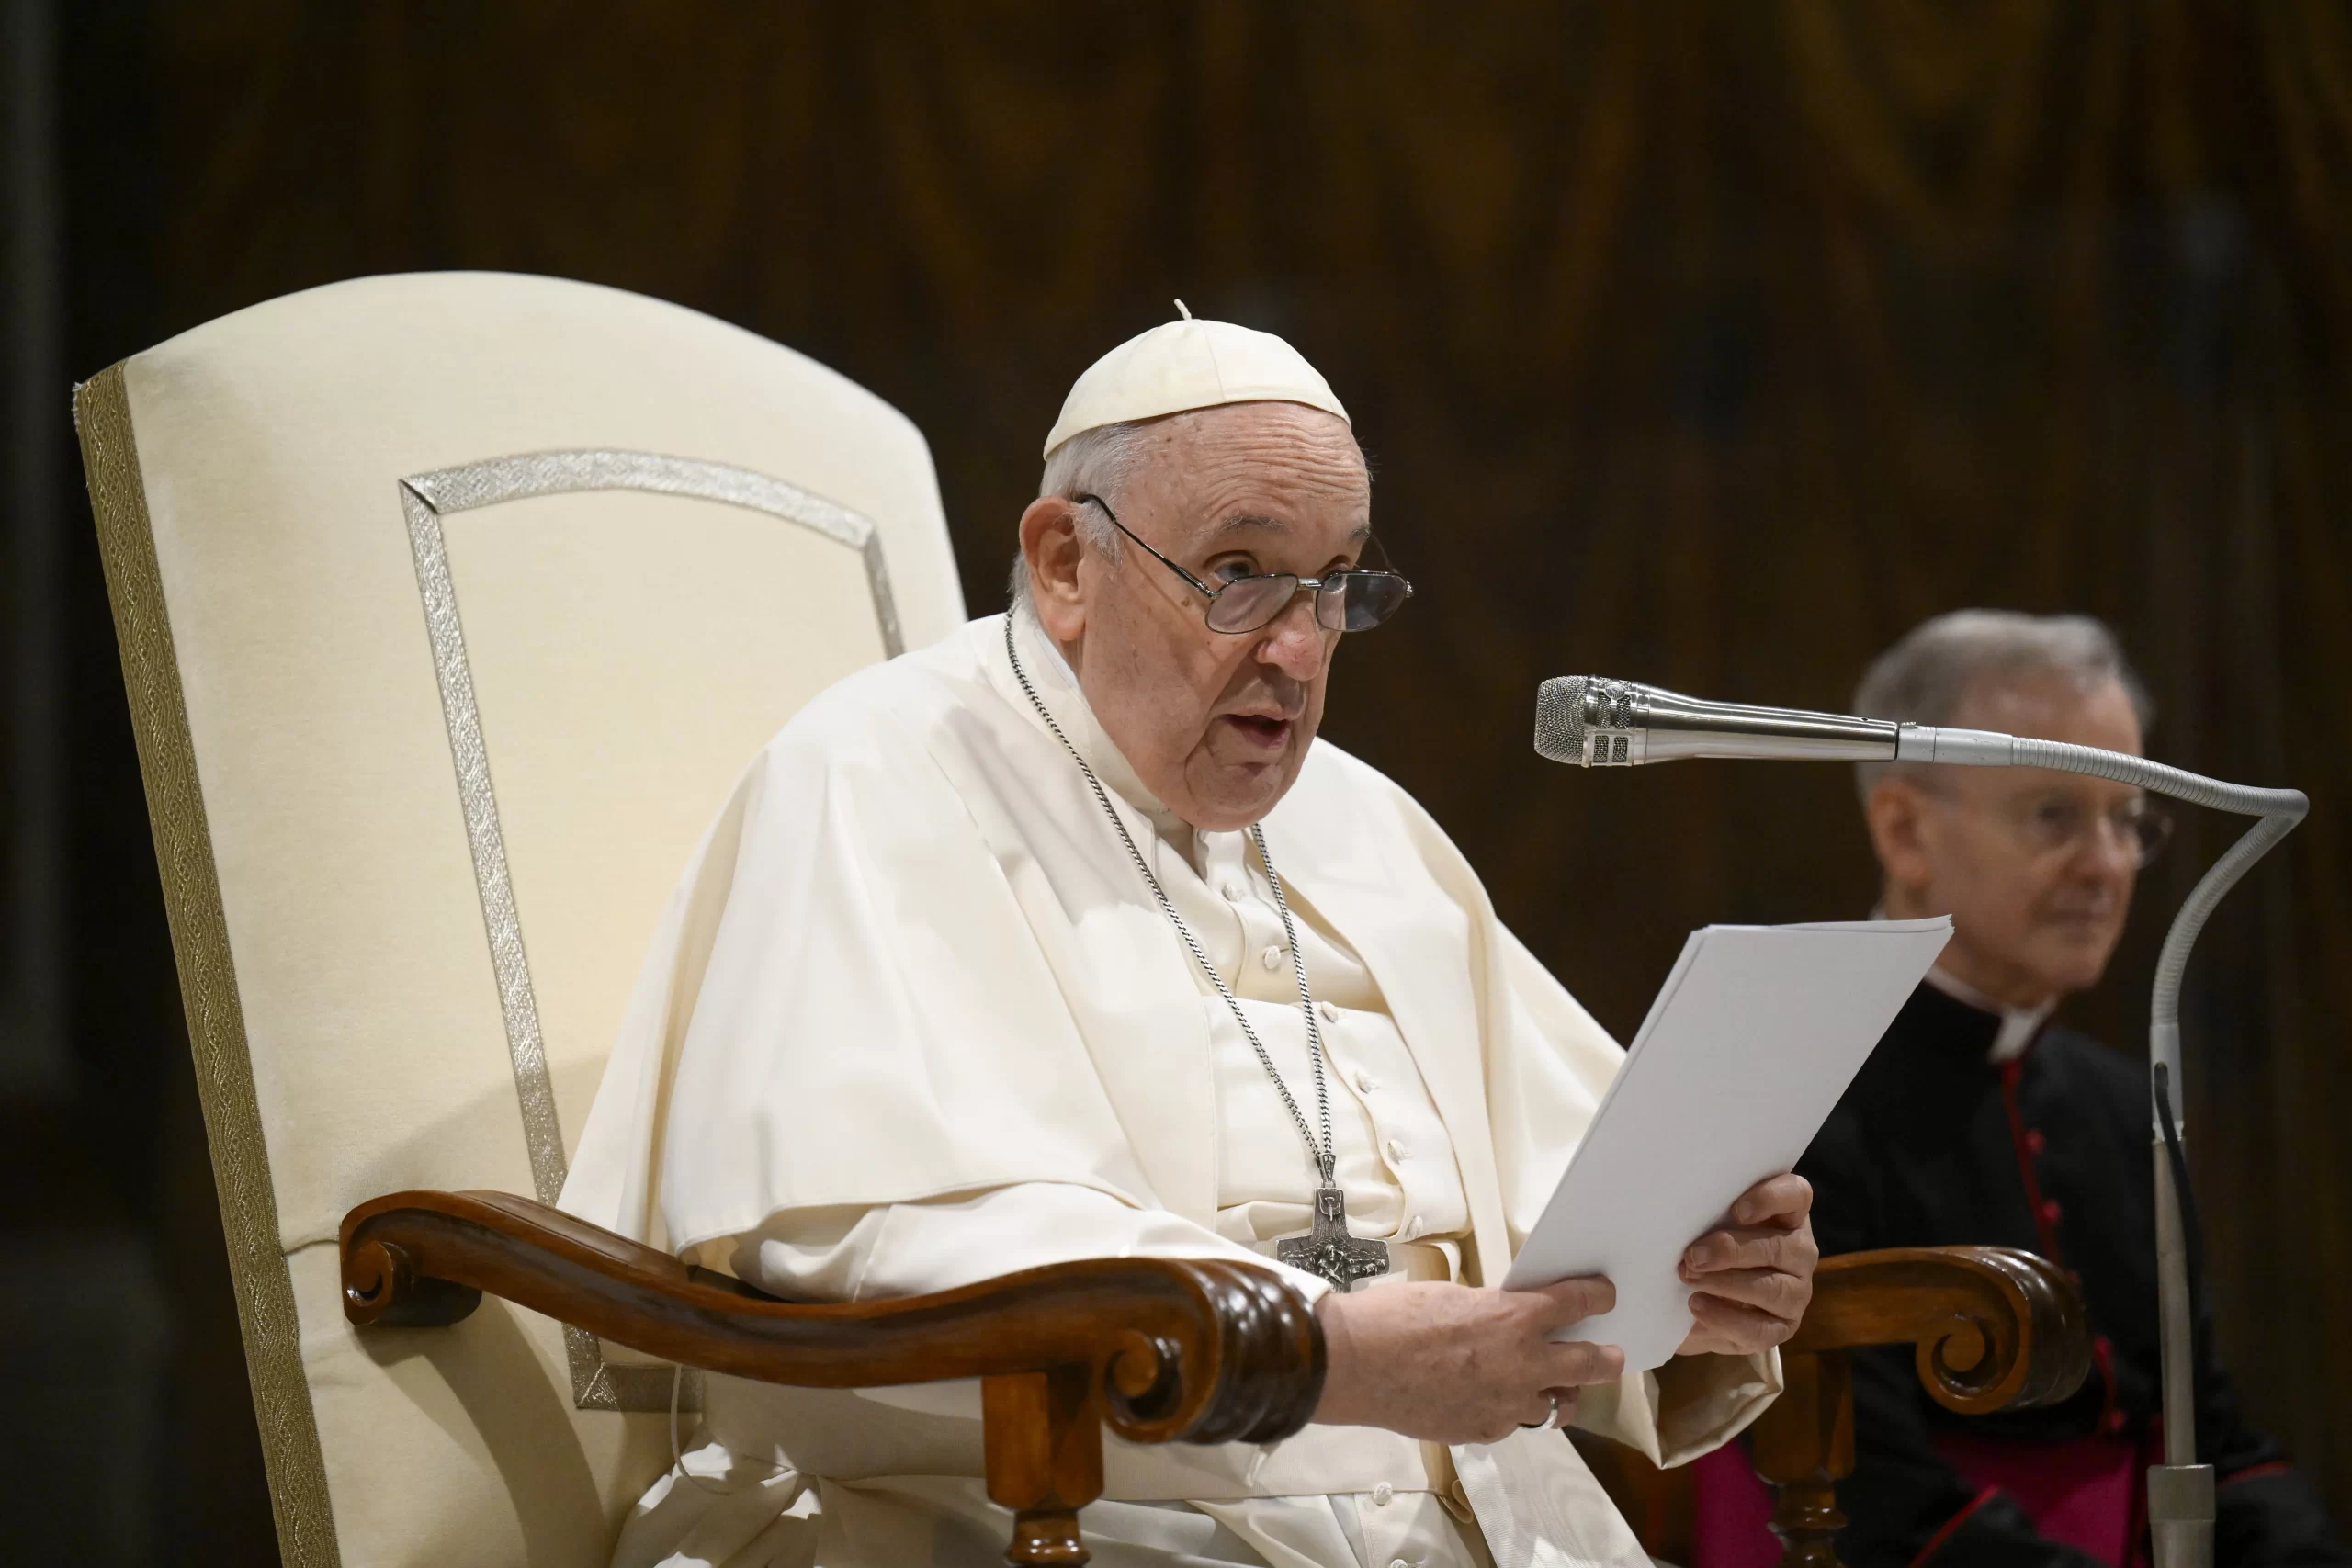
(450, 607)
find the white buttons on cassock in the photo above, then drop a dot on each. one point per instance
(1330, 1014)
(1412, 1227)
(1365, 1082)
(1382, 1493)
(1234, 892)
(1396, 1152)
(1271, 958)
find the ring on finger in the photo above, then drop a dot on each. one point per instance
(1551, 1416)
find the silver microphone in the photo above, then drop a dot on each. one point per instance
(1595, 722)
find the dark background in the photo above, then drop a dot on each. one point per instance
(1710, 344)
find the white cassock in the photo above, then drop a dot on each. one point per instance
(913, 1020)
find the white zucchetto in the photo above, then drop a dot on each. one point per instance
(1189, 364)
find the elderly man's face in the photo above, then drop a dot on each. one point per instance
(2031, 865)
(1216, 724)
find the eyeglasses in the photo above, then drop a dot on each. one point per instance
(1349, 601)
(2056, 823)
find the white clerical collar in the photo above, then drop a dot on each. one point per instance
(2019, 1025)
(1058, 687)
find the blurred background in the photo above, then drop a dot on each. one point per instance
(1709, 344)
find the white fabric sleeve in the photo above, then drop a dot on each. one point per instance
(1691, 1406)
(910, 1249)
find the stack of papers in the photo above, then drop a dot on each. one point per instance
(1756, 1034)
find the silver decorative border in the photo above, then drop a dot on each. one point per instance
(427, 498)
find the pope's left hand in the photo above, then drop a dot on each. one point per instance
(1753, 1276)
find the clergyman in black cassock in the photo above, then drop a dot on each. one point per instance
(1936, 1143)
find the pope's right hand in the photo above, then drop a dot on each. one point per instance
(1452, 1364)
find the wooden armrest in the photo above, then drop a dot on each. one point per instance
(1993, 1329)
(1159, 1349)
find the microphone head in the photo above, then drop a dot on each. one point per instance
(1572, 710)
(1594, 722)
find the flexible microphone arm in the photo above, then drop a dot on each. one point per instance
(1593, 722)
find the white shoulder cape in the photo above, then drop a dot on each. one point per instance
(910, 960)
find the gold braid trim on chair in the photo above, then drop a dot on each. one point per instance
(216, 1023)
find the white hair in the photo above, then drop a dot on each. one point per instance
(1093, 462)
(1929, 676)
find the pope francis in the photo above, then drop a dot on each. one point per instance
(1066, 938)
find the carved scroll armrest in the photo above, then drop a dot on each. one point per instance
(1159, 1349)
(1993, 1329)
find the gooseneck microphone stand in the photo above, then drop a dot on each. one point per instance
(1594, 722)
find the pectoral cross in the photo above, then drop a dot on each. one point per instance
(1328, 1250)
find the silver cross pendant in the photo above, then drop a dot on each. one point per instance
(1328, 1250)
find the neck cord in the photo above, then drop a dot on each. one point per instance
(1324, 1155)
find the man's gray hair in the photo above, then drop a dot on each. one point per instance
(1930, 675)
(1093, 462)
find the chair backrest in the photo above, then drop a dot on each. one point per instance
(450, 606)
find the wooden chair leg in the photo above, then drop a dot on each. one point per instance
(1804, 1445)
(1044, 1459)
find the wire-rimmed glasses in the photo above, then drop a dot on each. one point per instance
(2054, 823)
(1350, 601)
(2047, 823)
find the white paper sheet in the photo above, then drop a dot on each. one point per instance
(1754, 1035)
